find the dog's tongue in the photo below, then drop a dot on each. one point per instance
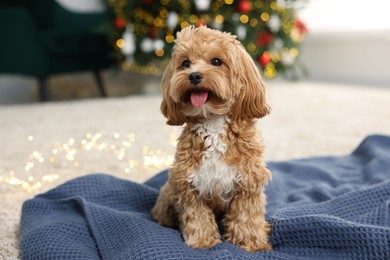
(198, 98)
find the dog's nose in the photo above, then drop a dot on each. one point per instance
(195, 77)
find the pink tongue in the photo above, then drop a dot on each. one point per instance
(198, 99)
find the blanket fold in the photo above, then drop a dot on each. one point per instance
(335, 207)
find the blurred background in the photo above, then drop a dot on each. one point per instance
(325, 64)
(68, 49)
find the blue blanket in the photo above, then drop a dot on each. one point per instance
(319, 208)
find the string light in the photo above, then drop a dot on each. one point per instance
(120, 43)
(151, 69)
(184, 24)
(159, 52)
(156, 158)
(270, 71)
(251, 47)
(274, 6)
(254, 22)
(193, 19)
(39, 167)
(244, 18)
(264, 16)
(275, 57)
(219, 19)
(169, 38)
(294, 52)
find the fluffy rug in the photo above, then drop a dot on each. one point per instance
(333, 207)
(48, 144)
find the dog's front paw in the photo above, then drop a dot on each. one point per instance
(202, 242)
(249, 239)
(201, 235)
(253, 243)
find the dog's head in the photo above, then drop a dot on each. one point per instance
(211, 74)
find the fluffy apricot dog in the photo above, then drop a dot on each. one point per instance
(213, 87)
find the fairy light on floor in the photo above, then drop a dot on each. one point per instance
(77, 152)
(174, 134)
(156, 158)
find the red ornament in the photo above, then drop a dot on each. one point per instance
(153, 32)
(201, 22)
(119, 23)
(244, 6)
(301, 26)
(148, 1)
(264, 38)
(265, 58)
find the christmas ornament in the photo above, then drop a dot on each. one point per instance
(153, 32)
(274, 23)
(202, 5)
(244, 6)
(299, 30)
(277, 44)
(172, 20)
(269, 70)
(286, 58)
(241, 32)
(147, 45)
(158, 44)
(201, 22)
(265, 58)
(128, 48)
(264, 38)
(119, 23)
(300, 26)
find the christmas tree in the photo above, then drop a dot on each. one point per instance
(144, 30)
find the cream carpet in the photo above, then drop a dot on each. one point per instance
(47, 144)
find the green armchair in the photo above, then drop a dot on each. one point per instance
(40, 38)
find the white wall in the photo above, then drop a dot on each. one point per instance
(348, 41)
(348, 57)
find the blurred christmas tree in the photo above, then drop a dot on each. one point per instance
(144, 30)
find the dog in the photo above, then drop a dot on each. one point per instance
(213, 88)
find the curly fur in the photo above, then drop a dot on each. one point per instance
(219, 168)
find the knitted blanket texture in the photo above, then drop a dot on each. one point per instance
(319, 208)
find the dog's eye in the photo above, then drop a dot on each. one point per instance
(216, 62)
(186, 64)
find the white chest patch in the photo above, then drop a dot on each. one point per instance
(214, 177)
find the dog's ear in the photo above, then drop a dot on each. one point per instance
(170, 109)
(246, 77)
